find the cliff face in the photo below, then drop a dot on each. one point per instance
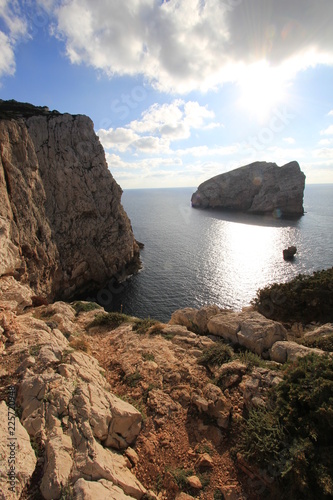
(260, 188)
(63, 229)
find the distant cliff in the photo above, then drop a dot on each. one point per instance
(259, 188)
(63, 229)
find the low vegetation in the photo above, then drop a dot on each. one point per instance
(85, 306)
(80, 344)
(306, 298)
(216, 355)
(110, 320)
(292, 438)
(323, 342)
(142, 326)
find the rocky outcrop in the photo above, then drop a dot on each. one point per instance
(247, 328)
(77, 425)
(63, 229)
(258, 188)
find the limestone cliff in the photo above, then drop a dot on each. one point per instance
(63, 229)
(259, 188)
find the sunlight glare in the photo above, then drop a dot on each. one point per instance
(262, 88)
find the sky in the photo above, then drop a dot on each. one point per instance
(180, 90)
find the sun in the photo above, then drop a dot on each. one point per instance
(262, 88)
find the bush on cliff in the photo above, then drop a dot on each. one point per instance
(293, 437)
(304, 298)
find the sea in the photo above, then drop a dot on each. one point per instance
(194, 257)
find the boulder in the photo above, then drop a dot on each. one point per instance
(289, 253)
(281, 352)
(194, 319)
(249, 329)
(93, 490)
(260, 188)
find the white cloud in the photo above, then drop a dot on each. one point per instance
(181, 45)
(330, 113)
(327, 131)
(289, 140)
(325, 142)
(159, 125)
(326, 153)
(119, 139)
(14, 29)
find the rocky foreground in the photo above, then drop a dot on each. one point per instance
(113, 407)
(258, 188)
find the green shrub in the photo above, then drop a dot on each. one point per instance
(180, 476)
(133, 378)
(303, 299)
(142, 326)
(324, 342)
(80, 306)
(293, 437)
(216, 355)
(148, 356)
(252, 359)
(110, 320)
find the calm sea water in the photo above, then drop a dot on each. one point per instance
(195, 257)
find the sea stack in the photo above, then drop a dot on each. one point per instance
(62, 226)
(258, 188)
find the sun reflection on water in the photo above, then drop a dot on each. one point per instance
(244, 257)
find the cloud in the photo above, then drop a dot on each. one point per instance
(330, 113)
(327, 131)
(182, 45)
(14, 29)
(174, 120)
(159, 125)
(326, 153)
(289, 140)
(325, 142)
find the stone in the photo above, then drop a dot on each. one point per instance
(259, 188)
(205, 461)
(21, 451)
(289, 253)
(60, 244)
(194, 482)
(11, 291)
(93, 490)
(281, 352)
(132, 455)
(92, 460)
(58, 464)
(194, 319)
(27, 363)
(248, 328)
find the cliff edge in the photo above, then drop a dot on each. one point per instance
(63, 228)
(258, 188)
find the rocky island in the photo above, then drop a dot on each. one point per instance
(258, 188)
(98, 405)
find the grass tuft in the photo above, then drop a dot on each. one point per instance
(80, 306)
(110, 320)
(216, 355)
